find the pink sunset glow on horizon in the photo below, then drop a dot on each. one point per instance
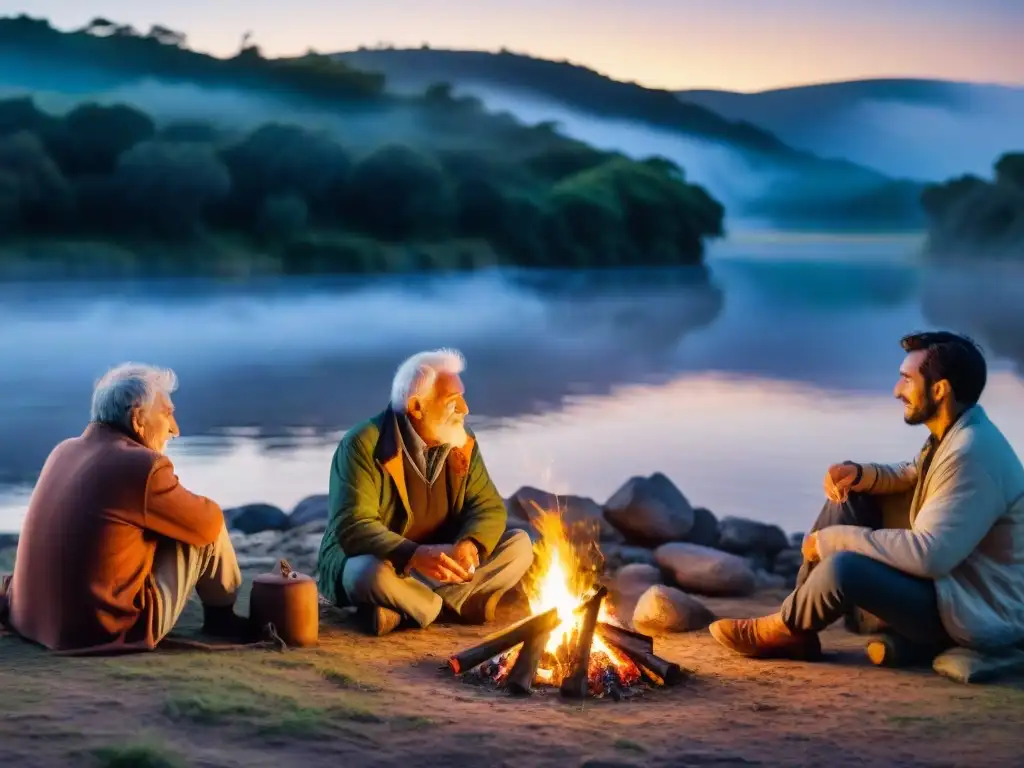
(740, 45)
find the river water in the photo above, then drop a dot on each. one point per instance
(741, 383)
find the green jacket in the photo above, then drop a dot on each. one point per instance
(368, 507)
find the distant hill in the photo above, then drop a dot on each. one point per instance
(924, 129)
(365, 98)
(756, 172)
(417, 68)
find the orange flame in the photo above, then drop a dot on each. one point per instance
(558, 580)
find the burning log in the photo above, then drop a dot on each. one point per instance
(520, 679)
(611, 633)
(640, 650)
(577, 683)
(500, 642)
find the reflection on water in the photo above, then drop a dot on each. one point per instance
(741, 385)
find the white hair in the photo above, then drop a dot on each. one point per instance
(127, 387)
(418, 373)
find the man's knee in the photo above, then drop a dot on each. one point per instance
(844, 570)
(861, 509)
(518, 547)
(365, 576)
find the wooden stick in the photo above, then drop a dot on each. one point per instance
(501, 641)
(520, 679)
(660, 671)
(576, 683)
(611, 633)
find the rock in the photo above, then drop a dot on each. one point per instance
(253, 518)
(766, 580)
(650, 511)
(706, 571)
(747, 537)
(257, 561)
(796, 540)
(618, 555)
(759, 561)
(310, 509)
(637, 577)
(788, 562)
(261, 543)
(667, 609)
(578, 512)
(705, 528)
(299, 546)
(626, 586)
(8, 540)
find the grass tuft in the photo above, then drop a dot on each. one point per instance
(628, 745)
(137, 755)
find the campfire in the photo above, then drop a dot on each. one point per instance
(570, 641)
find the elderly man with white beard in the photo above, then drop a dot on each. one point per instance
(416, 526)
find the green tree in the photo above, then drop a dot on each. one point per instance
(398, 192)
(166, 189)
(1010, 169)
(34, 192)
(94, 136)
(278, 160)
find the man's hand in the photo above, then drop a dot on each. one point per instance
(839, 481)
(809, 548)
(467, 555)
(436, 562)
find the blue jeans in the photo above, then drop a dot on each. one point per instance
(847, 581)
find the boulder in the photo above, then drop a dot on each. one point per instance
(767, 580)
(578, 512)
(253, 518)
(706, 571)
(626, 586)
(299, 546)
(618, 555)
(796, 540)
(667, 609)
(705, 528)
(310, 509)
(514, 522)
(650, 511)
(787, 562)
(749, 537)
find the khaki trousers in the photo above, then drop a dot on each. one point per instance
(179, 568)
(370, 581)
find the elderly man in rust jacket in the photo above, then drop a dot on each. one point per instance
(113, 544)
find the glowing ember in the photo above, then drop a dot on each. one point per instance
(566, 606)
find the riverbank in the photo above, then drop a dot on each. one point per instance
(670, 567)
(385, 702)
(228, 256)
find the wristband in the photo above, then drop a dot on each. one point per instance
(860, 472)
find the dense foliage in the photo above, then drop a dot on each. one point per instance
(970, 215)
(119, 50)
(519, 195)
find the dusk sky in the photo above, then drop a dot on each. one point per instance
(733, 44)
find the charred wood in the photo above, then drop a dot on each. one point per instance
(500, 642)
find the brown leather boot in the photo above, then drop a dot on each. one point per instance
(766, 638)
(378, 620)
(480, 608)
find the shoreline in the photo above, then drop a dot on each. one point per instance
(653, 545)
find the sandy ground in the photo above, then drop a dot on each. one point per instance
(358, 700)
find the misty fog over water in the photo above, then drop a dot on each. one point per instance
(741, 384)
